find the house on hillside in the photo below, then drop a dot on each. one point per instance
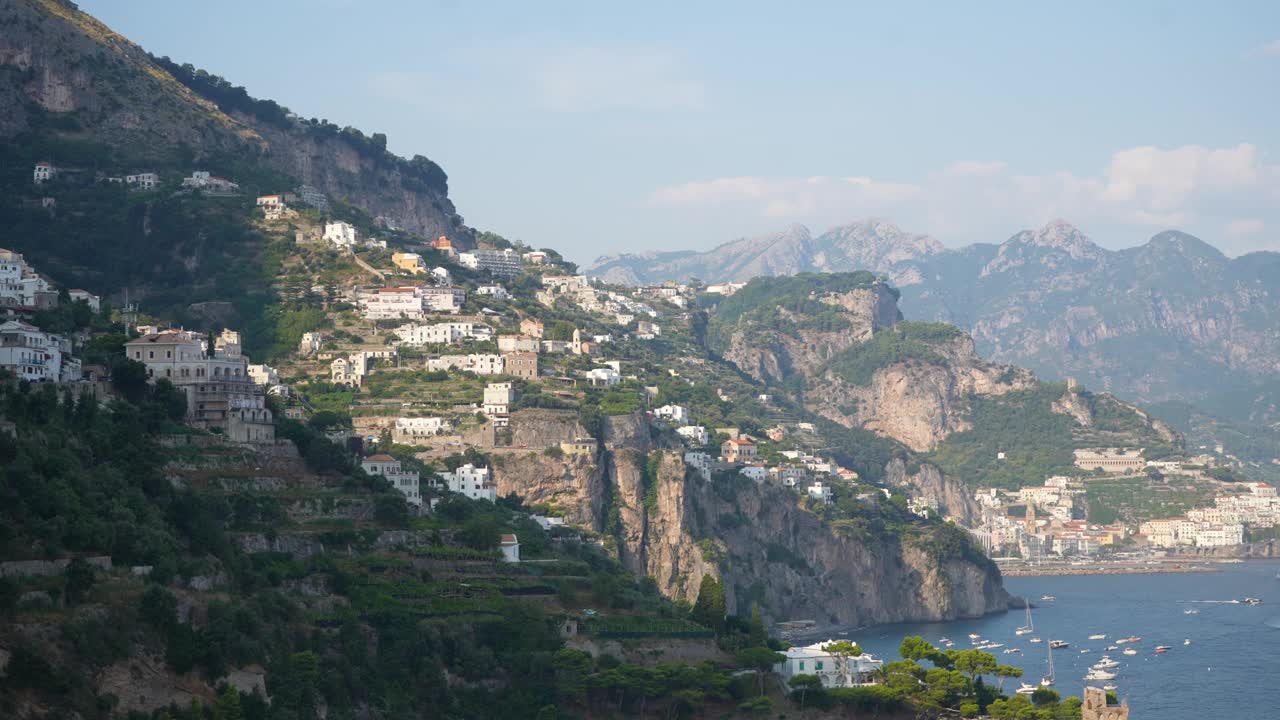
(44, 172)
(738, 451)
(406, 481)
(833, 670)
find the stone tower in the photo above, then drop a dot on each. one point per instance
(1095, 706)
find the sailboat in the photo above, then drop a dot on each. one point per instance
(1030, 627)
(1047, 680)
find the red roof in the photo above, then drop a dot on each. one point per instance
(379, 458)
(740, 442)
(509, 539)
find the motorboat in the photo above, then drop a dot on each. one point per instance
(1048, 598)
(945, 641)
(1009, 651)
(974, 636)
(1130, 651)
(1097, 637)
(1191, 611)
(1252, 601)
(1100, 675)
(1133, 639)
(1106, 663)
(1162, 649)
(1027, 689)
(1035, 640)
(1109, 687)
(1113, 647)
(1059, 644)
(1187, 641)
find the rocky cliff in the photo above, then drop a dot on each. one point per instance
(66, 74)
(758, 539)
(951, 497)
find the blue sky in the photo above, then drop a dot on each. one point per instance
(603, 127)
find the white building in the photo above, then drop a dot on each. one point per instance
(510, 547)
(821, 491)
(340, 233)
(446, 333)
(518, 343)
(603, 377)
(263, 374)
(202, 180)
(535, 257)
(32, 354)
(494, 291)
(406, 481)
(756, 472)
(478, 363)
(93, 301)
(502, 263)
(701, 462)
(470, 481)
(498, 398)
(311, 343)
(143, 180)
(44, 172)
(412, 431)
(834, 671)
(697, 435)
(676, 414)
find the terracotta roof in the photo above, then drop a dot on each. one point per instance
(379, 458)
(509, 539)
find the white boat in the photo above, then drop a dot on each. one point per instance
(1187, 641)
(1100, 675)
(1109, 687)
(1084, 651)
(1059, 644)
(1027, 689)
(1191, 611)
(974, 636)
(1035, 640)
(1097, 637)
(1048, 598)
(1130, 651)
(1113, 647)
(1252, 601)
(1012, 650)
(1030, 627)
(1048, 679)
(1106, 663)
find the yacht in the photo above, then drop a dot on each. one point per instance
(1059, 644)
(1097, 637)
(1100, 675)
(1030, 627)
(1027, 689)
(1130, 651)
(1109, 687)
(1106, 663)
(1252, 601)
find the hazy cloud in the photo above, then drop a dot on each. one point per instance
(1271, 49)
(1145, 188)
(597, 78)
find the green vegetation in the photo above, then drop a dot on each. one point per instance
(1134, 500)
(902, 342)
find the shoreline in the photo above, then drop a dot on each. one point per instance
(1107, 569)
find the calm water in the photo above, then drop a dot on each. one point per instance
(1233, 660)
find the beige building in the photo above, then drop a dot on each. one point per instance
(1110, 460)
(738, 451)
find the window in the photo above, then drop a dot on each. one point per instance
(819, 664)
(151, 354)
(802, 666)
(168, 353)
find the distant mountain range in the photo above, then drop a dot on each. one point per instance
(1173, 322)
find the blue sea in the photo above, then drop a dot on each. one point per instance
(1232, 664)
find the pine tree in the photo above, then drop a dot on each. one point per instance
(709, 610)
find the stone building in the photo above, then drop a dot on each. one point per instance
(1095, 706)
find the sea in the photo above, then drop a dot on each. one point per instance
(1229, 669)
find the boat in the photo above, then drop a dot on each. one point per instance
(1100, 675)
(1191, 611)
(1252, 601)
(1097, 637)
(1130, 651)
(1035, 640)
(1162, 649)
(945, 641)
(1030, 627)
(1187, 641)
(1085, 651)
(1027, 689)
(1048, 598)
(1109, 687)
(1012, 650)
(1059, 644)
(1113, 647)
(1048, 679)
(1106, 663)
(974, 636)
(1130, 639)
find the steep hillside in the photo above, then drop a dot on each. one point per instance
(64, 76)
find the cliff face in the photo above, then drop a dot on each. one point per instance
(771, 356)
(916, 403)
(756, 538)
(952, 497)
(58, 61)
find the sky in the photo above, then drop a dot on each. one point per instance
(601, 128)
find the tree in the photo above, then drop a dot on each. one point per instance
(760, 659)
(1044, 696)
(975, 662)
(1004, 671)
(759, 705)
(803, 684)
(79, 579)
(480, 533)
(842, 650)
(227, 706)
(709, 609)
(756, 633)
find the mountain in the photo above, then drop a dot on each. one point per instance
(64, 70)
(1173, 321)
(873, 245)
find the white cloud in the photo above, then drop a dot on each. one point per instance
(591, 79)
(1271, 49)
(1239, 229)
(1195, 188)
